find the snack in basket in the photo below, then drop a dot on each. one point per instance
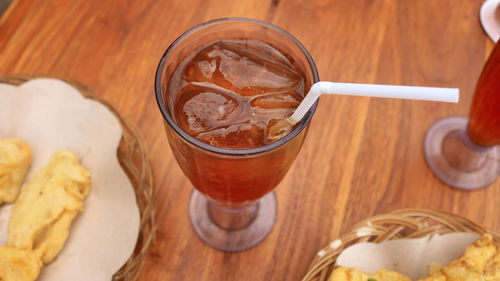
(19, 264)
(42, 215)
(481, 261)
(352, 274)
(15, 159)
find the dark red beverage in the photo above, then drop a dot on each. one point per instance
(227, 94)
(222, 87)
(484, 124)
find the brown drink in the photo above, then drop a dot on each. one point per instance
(461, 151)
(220, 87)
(227, 94)
(231, 91)
(484, 123)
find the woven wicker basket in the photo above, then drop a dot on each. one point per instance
(134, 161)
(407, 223)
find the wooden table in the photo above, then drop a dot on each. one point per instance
(362, 157)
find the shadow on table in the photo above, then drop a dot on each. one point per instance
(4, 4)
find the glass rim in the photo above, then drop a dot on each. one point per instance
(224, 150)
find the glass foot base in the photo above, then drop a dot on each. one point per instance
(226, 238)
(459, 175)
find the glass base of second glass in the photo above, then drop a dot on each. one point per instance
(460, 165)
(232, 230)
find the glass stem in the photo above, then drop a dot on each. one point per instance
(462, 153)
(232, 218)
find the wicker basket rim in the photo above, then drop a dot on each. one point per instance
(144, 174)
(402, 223)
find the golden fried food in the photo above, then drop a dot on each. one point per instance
(352, 274)
(42, 215)
(15, 159)
(50, 242)
(481, 261)
(18, 264)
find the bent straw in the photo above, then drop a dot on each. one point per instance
(284, 126)
(372, 90)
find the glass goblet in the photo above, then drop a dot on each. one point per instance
(232, 206)
(464, 153)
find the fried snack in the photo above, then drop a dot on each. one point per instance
(15, 159)
(481, 261)
(18, 264)
(352, 274)
(42, 215)
(50, 242)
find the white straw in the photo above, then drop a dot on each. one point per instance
(371, 90)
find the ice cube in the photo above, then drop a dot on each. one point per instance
(278, 128)
(284, 100)
(199, 109)
(242, 135)
(207, 68)
(252, 70)
(247, 67)
(202, 67)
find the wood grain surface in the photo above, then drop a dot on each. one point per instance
(363, 156)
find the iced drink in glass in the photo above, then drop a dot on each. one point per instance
(220, 86)
(464, 152)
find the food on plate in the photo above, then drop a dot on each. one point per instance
(18, 264)
(42, 215)
(481, 261)
(15, 159)
(352, 274)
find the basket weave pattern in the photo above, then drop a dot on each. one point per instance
(132, 156)
(406, 223)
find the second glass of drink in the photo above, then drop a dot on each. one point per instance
(465, 152)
